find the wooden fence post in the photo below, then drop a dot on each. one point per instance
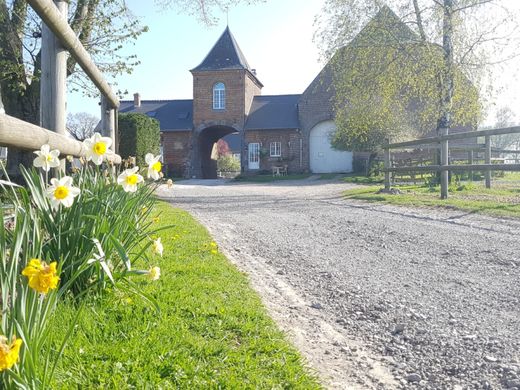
(53, 85)
(470, 162)
(108, 121)
(444, 162)
(387, 164)
(488, 161)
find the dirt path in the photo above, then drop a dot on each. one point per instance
(374, 296)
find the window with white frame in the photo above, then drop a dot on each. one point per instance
(276, 149)
(219, 96)
(3, 153)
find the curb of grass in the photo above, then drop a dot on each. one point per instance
(211, 332)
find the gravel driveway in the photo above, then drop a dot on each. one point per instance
(375, 296)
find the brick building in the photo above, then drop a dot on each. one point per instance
(280, 130)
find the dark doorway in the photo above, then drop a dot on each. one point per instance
(207, 138)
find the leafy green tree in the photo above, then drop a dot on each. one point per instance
(138, 135)
(402, 76)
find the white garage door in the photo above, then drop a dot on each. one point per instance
(323, 158)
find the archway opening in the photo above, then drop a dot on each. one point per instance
(207, 140)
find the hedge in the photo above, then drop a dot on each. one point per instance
(138, 134)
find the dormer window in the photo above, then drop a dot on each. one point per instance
(219, 96)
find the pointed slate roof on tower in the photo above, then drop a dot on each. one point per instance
(226, 54)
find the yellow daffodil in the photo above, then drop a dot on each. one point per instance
(42, 277)
(169, 183)
(62, 192)
(154, 273)
(97, 148)
(154, 166)
(47, 158)
(158, 247)
(129, 179)
(214, 251)
(9, 353)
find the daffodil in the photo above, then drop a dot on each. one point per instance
(42, 277)
(154, 166)
(9, 352)
(62, 192)
(169, 183)
(129, 179)
(47, 158)
(158, 247)
(97, 148)
(154, 273)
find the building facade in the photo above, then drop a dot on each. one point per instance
(289, 131)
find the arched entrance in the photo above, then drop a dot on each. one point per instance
(206, 139)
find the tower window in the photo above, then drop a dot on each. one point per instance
(219, 96)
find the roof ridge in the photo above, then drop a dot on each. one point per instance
(158, 100)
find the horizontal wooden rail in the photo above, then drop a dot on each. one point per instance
(23, 135)
(472, 167)
(53, 19)
(454, 136)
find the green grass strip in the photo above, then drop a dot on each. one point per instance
(212, 331)
(503, 200)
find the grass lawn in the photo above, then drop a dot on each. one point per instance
(211, 332)
(503, 199)
(270, 178)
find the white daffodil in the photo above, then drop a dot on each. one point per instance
(158, 247)
(129, 179)
(154, 273)
(169, 183)
(154, 166)
(97, 148)
(101, 258)
(47, 158)
(62, 192)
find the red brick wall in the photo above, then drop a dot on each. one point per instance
(252, 88)
(176, 149)
(203, 82)
(290, 142)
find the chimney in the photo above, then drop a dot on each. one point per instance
(137, 100)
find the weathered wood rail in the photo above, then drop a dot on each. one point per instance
(442, 142)
(57, 38)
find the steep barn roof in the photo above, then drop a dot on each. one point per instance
(225, 54)
(273, 112)
(173, 115)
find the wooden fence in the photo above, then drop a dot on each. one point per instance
(58, 38)
(442, 143)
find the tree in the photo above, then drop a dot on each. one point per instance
(101, 26)
(400, 76)
(222, 148)
(81, 125)
(203, 9)
(505, 117)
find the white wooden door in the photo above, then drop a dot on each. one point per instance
(254, 155)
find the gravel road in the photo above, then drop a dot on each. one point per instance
(375, 296)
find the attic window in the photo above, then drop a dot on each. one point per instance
(152, 114)
(219, 96)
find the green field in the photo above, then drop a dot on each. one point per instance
(211, 332)
(503, 199)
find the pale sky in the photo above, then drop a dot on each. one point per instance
(275, 36)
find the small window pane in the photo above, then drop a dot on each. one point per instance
(219, 96)
(275, 149)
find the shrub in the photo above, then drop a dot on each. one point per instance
(138, 134)
(228, 163)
